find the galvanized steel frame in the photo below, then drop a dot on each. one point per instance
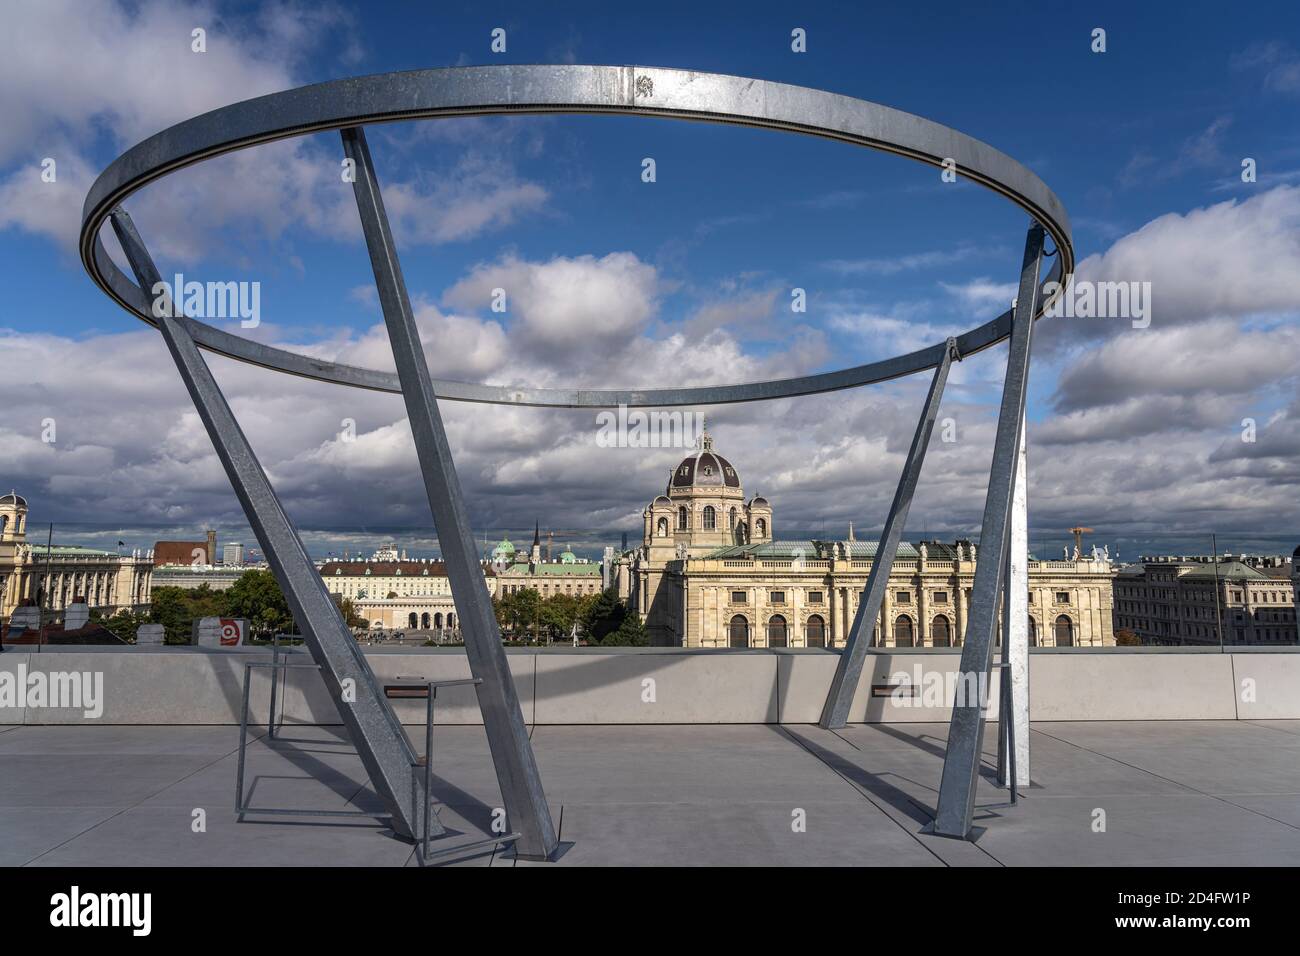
(349, 104)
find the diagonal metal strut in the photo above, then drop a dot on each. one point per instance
(382, 744)
(503, 720)
(961, 763)
(839, 700)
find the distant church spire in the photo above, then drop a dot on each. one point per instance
(851, 538)
(706, 440)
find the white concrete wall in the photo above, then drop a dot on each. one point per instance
(664, 686)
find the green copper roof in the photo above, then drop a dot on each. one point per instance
(555, 569)
(813, 550)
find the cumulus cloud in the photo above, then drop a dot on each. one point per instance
(74, 74)
(566, 305)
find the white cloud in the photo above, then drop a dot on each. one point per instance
(567, 306)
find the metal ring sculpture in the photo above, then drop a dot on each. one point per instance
(349, 105)
(645, 91)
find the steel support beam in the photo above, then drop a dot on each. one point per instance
(382, 744)
(844, 685)
(1015, 630)
(961, 765)
(503, 720)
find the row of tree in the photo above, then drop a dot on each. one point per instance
(255, 596)
(526, 616)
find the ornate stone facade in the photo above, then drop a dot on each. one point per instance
(29, 575)
(699, 583)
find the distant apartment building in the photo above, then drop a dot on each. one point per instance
(232, 555)
(398, 594)
(1196, 600)
(192, 576)
(186, 552)
(570, 575)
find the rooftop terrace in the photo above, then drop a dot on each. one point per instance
(1174, 793)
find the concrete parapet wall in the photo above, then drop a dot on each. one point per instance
(190, 685)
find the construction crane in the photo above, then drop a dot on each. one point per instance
(1078, 537)
(566, 533)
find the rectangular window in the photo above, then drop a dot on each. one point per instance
(737, 597)
(1062, 597)
(777, 597)
(815, 597)
(940, 597)
(904, 597)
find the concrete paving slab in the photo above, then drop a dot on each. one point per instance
(746, 834)
(667, 794)
(163, 836)
(1147, 830)
(30, 831)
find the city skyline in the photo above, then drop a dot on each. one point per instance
(681, 281)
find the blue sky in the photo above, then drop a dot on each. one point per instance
(683, 281)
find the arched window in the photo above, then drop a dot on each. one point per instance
(681, 518)
(903, 631)
(816, 631)
(4, 523)
(710, 518)
(776, 631)
(941, 632)
(413, 621)
(731, 519)
(424, 620)
(451, 620)
(662, 529)
(760, 528)
(437, 620)
(1033, 632)
(738, 632)
(1064, 631)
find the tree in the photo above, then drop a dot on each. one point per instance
(170, 607)
(558, 614)
(630, 633)
(350, 614)
(1126, 638)
(124, 624)
(256, 596)
(603, 615)
(518, 611)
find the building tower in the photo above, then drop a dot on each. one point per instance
(1295, 588)
(13, 518)
(535, 555)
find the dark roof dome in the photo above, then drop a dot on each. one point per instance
(705, 468)
(13, 498)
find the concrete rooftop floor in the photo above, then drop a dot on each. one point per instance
(1182, 793)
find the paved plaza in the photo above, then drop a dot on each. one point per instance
(1182, 793)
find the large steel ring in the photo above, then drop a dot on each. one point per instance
(645, 91)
